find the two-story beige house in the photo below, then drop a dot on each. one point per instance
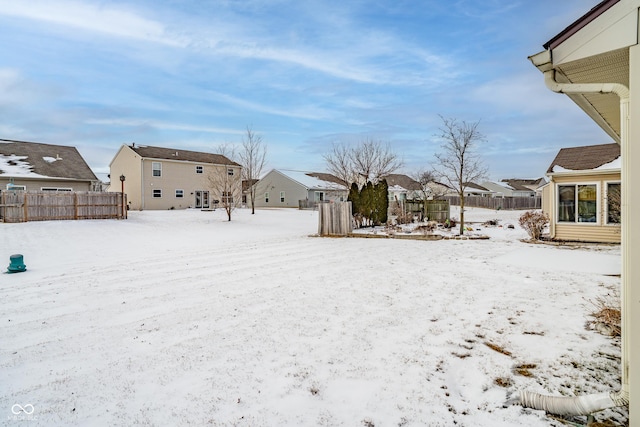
(169, 178)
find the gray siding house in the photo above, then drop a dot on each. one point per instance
(33, 166)
(281, 188)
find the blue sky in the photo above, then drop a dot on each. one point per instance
(193, 74)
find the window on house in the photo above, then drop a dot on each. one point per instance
(156, 168)
(266, 197)
(227, 198)
(230, 172)
(613, 202)
(157, 193)
(319, 195)
(282, 197)
(577, 203)
(12, 187)
(55, 189)
(199, 169)
(180, 193)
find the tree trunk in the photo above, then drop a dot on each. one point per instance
(461, 214)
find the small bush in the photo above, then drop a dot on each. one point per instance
(534, 223)
(606, 316)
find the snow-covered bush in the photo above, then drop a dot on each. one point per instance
(534, 222)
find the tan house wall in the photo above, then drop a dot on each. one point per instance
(599, 231)
(127, 163)
(180, 175)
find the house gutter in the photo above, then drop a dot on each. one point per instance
(585, 405)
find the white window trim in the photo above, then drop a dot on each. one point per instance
(266, 197)
(153, 169)
(599, 203)
(282, 196)
(605, 203)
(55, 189)
(199, 169)
(153, 193)
(181, 196)
(12, 187)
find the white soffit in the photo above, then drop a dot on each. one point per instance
(615, 29)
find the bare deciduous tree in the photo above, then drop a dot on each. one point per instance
(339, 163)
(458, 164)
(252, 157)
(370, 160)
(226, 183)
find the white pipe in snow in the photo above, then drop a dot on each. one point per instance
(584, 405)
(579, 405)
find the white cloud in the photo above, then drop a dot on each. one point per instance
(158, 124)
(102, 18)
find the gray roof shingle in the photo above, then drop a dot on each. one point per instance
(184, 155)
(585, 158)
(69, 164)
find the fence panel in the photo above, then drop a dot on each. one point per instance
(507, 203)
(437, 210)
(334, 219)
(23, 206)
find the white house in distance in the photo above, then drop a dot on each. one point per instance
(33, 166)
(170, 178)
(281, 188)
(403, 187)
(514, 187)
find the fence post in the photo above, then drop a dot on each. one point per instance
(334, 218)
(26, 208)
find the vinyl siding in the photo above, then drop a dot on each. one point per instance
(273, 183)
(37, 184)
(176, 175)
(600, 231)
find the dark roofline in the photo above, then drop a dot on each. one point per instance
(580, 23)
(180, 155)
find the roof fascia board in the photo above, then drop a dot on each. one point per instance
(614, 29)
(160, 159)
(583, 172)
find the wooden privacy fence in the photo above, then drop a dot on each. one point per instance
(23, 206)
(433, 210)
(437, 210)
(334, 219)
(508, 203)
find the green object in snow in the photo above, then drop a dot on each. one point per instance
(16, 264)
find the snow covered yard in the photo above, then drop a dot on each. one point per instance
(183, 318)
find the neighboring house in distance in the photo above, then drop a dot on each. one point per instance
(582, 197)
(281, 188)
(514, 187)
(32, 166)
(246, 186)
(534, 185)
(472, 189)
(169, 178)
(403, 187)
